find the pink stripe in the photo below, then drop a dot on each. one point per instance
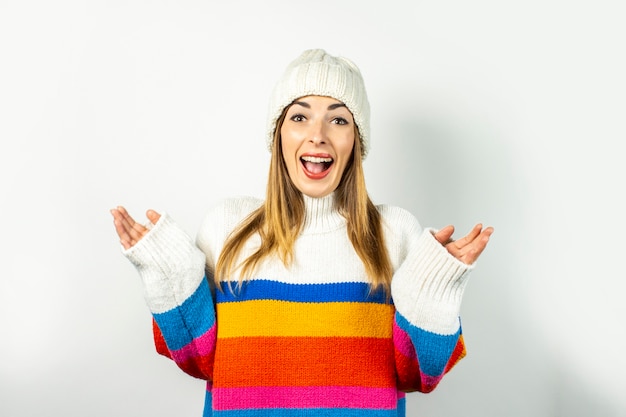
(304, 397)
(430, 381)
(402, 342)
(200, 346)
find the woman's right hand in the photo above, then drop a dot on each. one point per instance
(129, 231)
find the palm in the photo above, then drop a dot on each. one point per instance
(468, 248)
(129, 231)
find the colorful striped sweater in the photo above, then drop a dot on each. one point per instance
(310, 339)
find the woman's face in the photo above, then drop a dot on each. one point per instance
(317, 140)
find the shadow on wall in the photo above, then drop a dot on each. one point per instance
(573, 399)
(447, 172)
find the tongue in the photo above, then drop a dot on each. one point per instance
(313, 167)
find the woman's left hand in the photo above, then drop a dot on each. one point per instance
(468, 248)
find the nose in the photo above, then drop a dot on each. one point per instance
(317, 133)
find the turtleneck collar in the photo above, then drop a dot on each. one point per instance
(321, 215)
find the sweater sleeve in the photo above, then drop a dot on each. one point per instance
(172, 270)
(427, 289)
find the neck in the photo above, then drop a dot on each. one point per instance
(321, 214)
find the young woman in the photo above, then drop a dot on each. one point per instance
(314, 301)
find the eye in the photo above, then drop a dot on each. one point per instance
(339, 121)
(297, 118)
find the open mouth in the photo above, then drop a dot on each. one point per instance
(315, 166)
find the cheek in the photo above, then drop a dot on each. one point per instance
(346, 147)
(287, 139)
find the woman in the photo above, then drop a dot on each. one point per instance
(314, 301)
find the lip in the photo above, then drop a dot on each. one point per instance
(322, 174)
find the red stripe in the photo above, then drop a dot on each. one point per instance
(458, 354)
(159, 341)
(198, 367)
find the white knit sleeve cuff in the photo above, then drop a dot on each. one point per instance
(428, 287)
(170, 265)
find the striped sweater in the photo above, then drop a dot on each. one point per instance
(310, 339)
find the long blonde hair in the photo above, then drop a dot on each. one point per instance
(280, 219)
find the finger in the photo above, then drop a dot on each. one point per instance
(153, 216)
(476, 247)
(120, 229)
(126, 218)
(134, 231)
(125, 244)
(119, 226)
(469, 238)
(443, 236)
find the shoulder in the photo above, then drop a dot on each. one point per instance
(237, 207)
(224, 216)
(231, 211)
(398, 218)
(401, 228)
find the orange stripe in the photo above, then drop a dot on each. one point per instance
(304, 361)
(458, 354)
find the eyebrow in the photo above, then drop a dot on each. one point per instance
(308, 106)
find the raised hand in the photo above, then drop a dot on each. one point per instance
(129, 231)
(468, 248)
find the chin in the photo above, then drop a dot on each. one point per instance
(316, 194)
(314, 188)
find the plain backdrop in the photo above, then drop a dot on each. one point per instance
(510, 113)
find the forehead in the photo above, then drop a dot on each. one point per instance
(322, 101)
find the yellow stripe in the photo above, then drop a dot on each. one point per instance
(286, 318)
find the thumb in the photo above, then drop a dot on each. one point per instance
(444, 235)
(153, 216)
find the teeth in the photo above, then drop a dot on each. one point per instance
(316, 160)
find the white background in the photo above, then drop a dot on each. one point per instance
(510, 113)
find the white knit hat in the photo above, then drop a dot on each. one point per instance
(319, 74)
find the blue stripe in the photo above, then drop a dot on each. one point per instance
(433, 350)
(193, 318)
(208, 404)
(402, 407)
(260, 289)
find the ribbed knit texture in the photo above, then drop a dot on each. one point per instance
(311, 339)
